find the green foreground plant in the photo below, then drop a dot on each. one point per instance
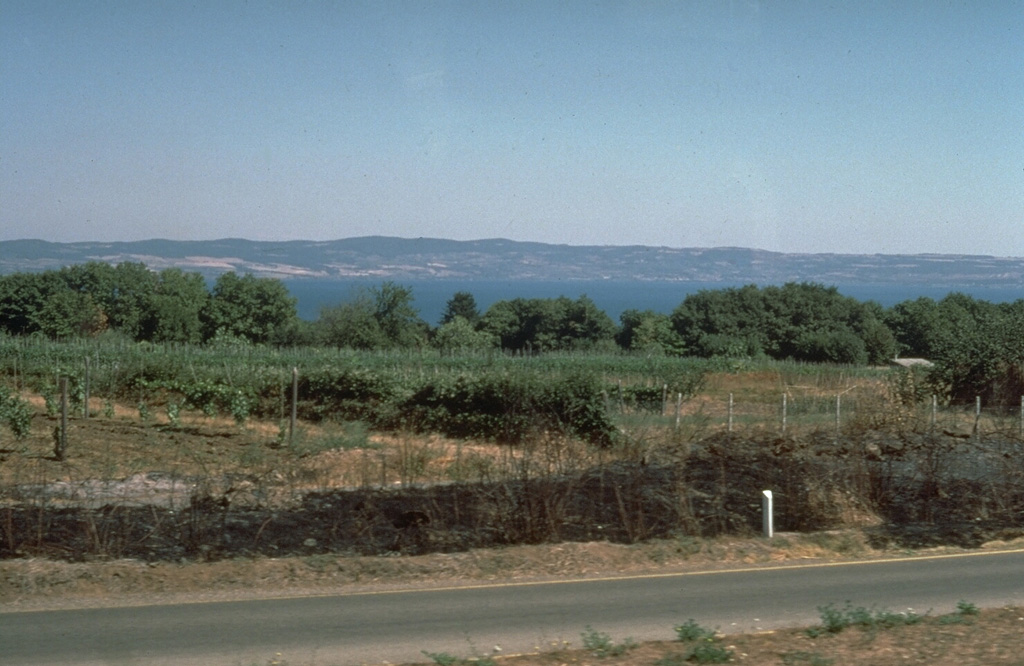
(835, 620)
(16, 413)
(601, 644)
(704, 646)
(690, 631)
(966, 608)
(965, 613)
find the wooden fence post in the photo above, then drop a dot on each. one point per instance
(61, 440)
(838, 404)
(977, 417)
(295, 401)
(85, 407)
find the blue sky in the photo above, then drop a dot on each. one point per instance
(846, 127)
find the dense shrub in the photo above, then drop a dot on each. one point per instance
(15, 412)
(831, 347)
(803, 322)
(353, 394)
(643, 398)
(510, 407)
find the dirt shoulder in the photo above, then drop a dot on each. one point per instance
(38, 583)
(992, 636)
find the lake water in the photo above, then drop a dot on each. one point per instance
(612, 297)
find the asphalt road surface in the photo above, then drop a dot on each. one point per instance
(398, 626)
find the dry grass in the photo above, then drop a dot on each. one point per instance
(117, 447)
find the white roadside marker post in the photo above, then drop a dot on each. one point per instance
(766, 514)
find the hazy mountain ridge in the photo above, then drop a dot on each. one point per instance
(425, 258)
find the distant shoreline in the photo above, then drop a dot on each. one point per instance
(420, 259)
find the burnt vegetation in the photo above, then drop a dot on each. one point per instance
(593, 431)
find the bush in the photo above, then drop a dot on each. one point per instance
(966, 608)
(643, 398)
(705, 648)
(841, 346)
(353, 394)
(834, 620)
(690, 631)
(510, 407)
(602, 645)
(16, 413)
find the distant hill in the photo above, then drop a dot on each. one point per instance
(424, 258)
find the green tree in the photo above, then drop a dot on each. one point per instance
(459, 335)
(70, 314)
(399, 321)
(582, 325)
(648, 332)
(801, 321)
(374, 318)
(979, 351)
(128, 303)
(548, 324)
(93, 277)
(22, 298)
(915, 325)
(248, 307)
(879, 341)
(177, 304)
(351, 325)
(462, 304)
(723, 322)
(123, 292)
(830, 346)
(504, 321)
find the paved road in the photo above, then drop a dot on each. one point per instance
(398, 626)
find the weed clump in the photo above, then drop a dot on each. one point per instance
(690, 631)
(835, 620)
(601, 644)
(704, 647)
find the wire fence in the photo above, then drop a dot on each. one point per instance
(809, 397)
(790, 412)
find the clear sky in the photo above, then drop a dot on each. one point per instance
(848, 127)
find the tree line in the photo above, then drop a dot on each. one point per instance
(171, 305)
(978, 346)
